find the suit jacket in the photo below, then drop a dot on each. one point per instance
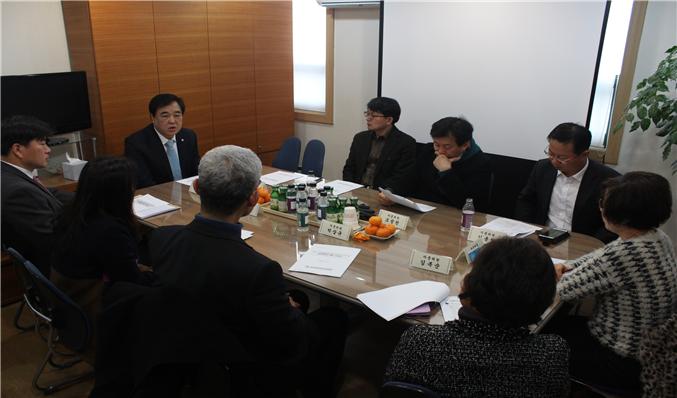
(533, 203)
(396, 167)
(243, 288)
(468, 178)
(145, 149)
(29, 213)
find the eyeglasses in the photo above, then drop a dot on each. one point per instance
(369, 114)
(560, 159)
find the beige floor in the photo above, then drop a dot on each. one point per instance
(366, 355)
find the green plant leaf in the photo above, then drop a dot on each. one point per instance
(634, 127)
(666, 152)
(641, 84)
(645, 124)
(629, 117)
(663, 132)
(641, 112)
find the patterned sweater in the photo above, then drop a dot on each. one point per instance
(634, 283)
(472, 358)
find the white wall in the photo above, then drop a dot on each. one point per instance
(642, 151)
(33, 38)
(355, 83)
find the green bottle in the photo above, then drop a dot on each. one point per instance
(274, 199)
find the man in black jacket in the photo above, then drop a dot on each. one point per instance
(383, 156)
(453, 168)
(163, 151)
(563, 191)
(245, 289)
(29, 210)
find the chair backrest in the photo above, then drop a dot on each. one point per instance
(53, 306)
(510, 175)
(288, 156)
(313, 157)
(399, 389)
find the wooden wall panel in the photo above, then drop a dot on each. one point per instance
(274, 73)
(183, 62)
(81, 54)
(231, 49)
(124, 41)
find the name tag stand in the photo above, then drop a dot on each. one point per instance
(477, 234)
(398, 220)
(335, 230)
(431, 262)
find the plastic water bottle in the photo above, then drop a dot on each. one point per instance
(322, 205)
(468, 212)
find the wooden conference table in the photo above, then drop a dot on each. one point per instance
(380, 264)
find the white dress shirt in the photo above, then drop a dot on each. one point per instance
(563, 199)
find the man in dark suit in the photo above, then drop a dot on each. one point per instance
(243, 288)
(29, 210)
(453, 168)
(163, 151)
(383, 156)
(563, 191)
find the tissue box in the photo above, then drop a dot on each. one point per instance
(73, 168)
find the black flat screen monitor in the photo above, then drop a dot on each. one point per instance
(59, 99)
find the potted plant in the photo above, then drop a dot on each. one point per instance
(653, 104)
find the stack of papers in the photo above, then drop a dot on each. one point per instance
(400, 200)
(511, 227)
(188, 181)
(327, 260)
(389, 303)
(280, 177)
(246, 234)
(450, 308)
(341, 187)
(148, 206)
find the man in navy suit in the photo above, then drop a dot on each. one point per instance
(563, 190)
(163, 151)
(29, 210)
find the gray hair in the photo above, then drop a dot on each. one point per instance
(228, 176)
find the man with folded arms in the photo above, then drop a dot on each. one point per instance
(244, 288)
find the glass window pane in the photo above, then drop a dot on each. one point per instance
(310, 34)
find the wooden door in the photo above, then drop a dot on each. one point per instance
(183, 62)
(231, 49)
(274, 73)
(123, 34)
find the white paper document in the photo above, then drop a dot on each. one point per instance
(510, 227)
(391, 302)
(327, 260)
(450, 308)
(246, 234)
(400, 200)
(341, 187)
(148, 206)
(188, 181)
(279, 177)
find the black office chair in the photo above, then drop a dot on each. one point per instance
(313, 157)
(17, 260)
(288, 156)
(66, 323)
(400, 389)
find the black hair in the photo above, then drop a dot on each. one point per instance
(105, 187)
(21, 129)
(165, 99)
(572, 132)
(387, 106)
(638, 199)
(512, 282)
(456, 127)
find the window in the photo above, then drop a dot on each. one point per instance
(608, 110)
(313, 31)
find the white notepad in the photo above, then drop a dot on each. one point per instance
(148, 206)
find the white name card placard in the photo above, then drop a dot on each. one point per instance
(469, 253)
(335, 230)
(431, 262)
(397, 220)
(482, 235)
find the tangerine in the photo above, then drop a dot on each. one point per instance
(371, 229)
(383, 233)
(375, 220)
(391, 227)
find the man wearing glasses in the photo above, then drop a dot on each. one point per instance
(382, 156)
(563, 191)
(163, 151)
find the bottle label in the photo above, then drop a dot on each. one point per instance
(466, 221)
(311, 202)
(291, 205)
(274, 204)
(282, 205)
(302, 219)
(322, 212)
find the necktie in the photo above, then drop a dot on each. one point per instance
(173, 157)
